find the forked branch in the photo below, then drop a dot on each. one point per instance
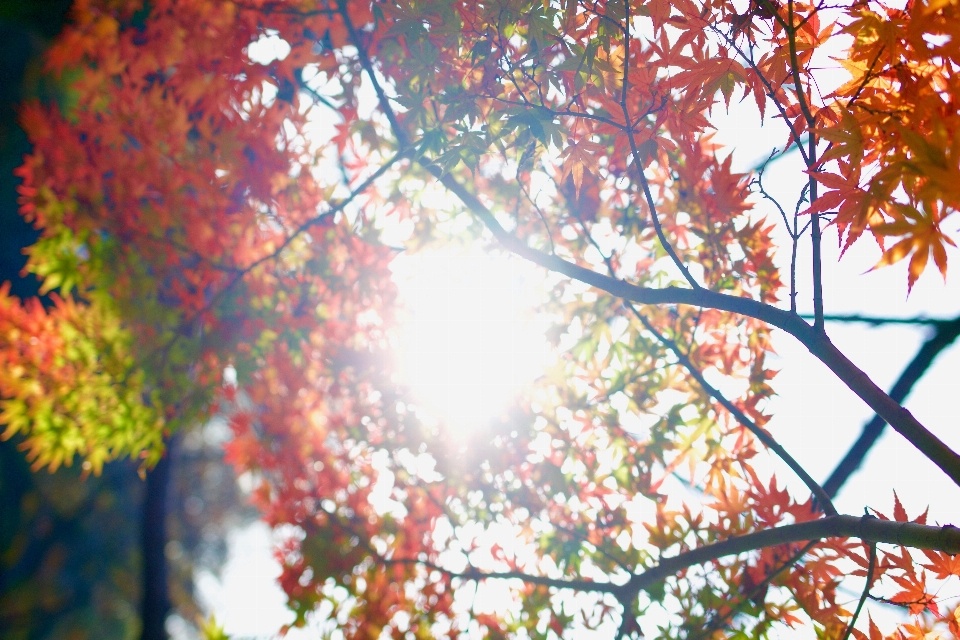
(817, 342)
(869, 529)
(814, 340)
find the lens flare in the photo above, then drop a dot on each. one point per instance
(470, 342)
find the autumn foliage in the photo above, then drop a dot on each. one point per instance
(203, 208)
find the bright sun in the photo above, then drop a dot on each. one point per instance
(471, 340)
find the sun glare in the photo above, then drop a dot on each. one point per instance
(471, 340)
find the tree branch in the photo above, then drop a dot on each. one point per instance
(811, 160)
(821, 497)
(869, 529)
(638, 163)
(816, 341)
(472, 573)
(945, 334)
(879, 320)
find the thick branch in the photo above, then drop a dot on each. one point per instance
(868, 529)
(155, 598)
(946, 333)
(822, 499)
(816, 342)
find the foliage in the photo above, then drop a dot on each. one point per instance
(204, 207)
(212, 631)
(67, 381)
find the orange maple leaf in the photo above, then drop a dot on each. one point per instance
(577, 156)
(942, 564)
(923, 237)
(914, 594)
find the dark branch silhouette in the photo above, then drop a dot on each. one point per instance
(945, 333)
(876, 321)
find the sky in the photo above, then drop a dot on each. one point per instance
(452, 296)
(815, 417)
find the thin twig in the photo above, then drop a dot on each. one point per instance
(881, 320)
(866, 589)
(821, 497)
(770, 577)
(639, 169)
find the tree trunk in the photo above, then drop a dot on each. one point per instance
(155, 605)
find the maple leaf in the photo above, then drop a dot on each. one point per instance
(924, 238)
(899, 513)
(942, 564)
(846, 140)
(914, 594)
(578, 157)
(207, 205)
(859, 71)
(717, 74)
(873, 630)
(854, 206)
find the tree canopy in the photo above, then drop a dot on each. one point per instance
(220, 189)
